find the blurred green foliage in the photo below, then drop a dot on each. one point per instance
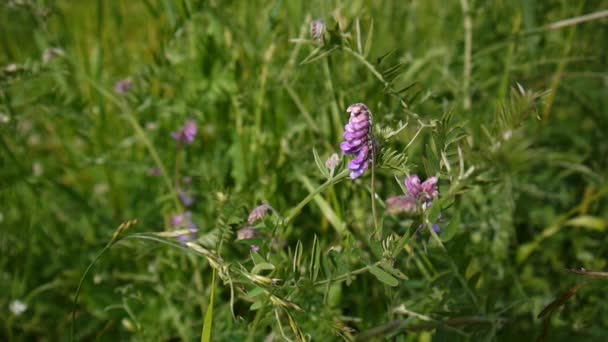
(515, 128)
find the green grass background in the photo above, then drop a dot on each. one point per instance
(76, 158)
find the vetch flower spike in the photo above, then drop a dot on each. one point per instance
(358, 139)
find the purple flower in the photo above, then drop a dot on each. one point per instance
(317, 30)
(258, 213)
(123, 86)
(184, 221)
(186, 199)
(358, 139)
(426, 191)
(255, 248)
(436, 228)
(247, 233)
(187, 134)
(401, 204)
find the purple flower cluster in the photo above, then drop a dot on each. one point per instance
(187, 133)
(249, 232)
(184, 221)
(358, 139)
(418, 194)
(425, 191)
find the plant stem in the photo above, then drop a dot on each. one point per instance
(377, 230)
(342, 175)
(367, 64)
(468, 42)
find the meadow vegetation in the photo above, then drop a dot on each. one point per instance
(187, 155)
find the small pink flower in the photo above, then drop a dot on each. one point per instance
(247, 233)
(400, 204)
(187, 134)
(258, 213)
(427, 191)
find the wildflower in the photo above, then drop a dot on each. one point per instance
(332, 162)
(317, 30)
(255, 248)
(358, 139)
(436, 228)
(401, 204)
(427, 191)
(186, 199)
(258, 213)
(184, 221)
(17, 307)
(52, 53)
(187, 134)
(155, 172)
(123, 86)
(247, 233)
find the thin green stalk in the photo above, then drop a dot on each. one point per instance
(457, 274)
(339, 177)
(139, 131)
(377, 230)
(367, 64)
(468, 42)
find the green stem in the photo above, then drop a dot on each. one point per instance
(339, 177)
(377, 230)
(367, 64)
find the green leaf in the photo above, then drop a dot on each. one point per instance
(256, 305)
(207, 326)
(265, 266)
(451, 229)
(383, 276)
(435, 210)
(589, 222)
(393, 271)
(320, 164)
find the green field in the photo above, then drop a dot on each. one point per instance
(137, 137)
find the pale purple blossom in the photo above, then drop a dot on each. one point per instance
(186, 199)
(187, 133)
(426, 191)
(255, 248)
(184, 221)
(123, 86)
(258, 213)
(317, 30)
(247, 233)
(401, 204)
(332, 162)
(358, 139)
